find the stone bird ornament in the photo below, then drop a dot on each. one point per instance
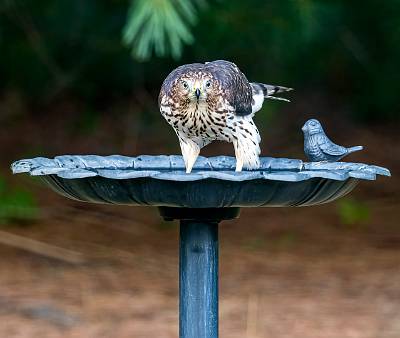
(215, 101)
(318, 147)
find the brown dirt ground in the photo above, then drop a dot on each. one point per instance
(281, 277)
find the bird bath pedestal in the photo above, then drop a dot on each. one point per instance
(211, 193)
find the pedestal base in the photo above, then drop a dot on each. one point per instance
(198, 268)
(198, 280)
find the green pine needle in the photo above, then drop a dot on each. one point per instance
(160, 26)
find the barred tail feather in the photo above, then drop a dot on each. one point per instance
(270, 90)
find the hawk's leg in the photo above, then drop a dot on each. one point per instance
(190, 152)
(246, 141)
(238, 155)
(246, 155)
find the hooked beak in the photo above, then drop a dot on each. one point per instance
(304, 128)
(197, 92)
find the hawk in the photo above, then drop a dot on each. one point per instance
(215, 101)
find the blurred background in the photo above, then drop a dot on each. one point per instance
(82, 77)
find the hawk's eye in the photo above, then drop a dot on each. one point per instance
(185, 85)
(208, 84)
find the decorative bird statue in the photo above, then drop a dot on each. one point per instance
(318, 147)
(215, 101)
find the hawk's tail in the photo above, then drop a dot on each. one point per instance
(269, 90)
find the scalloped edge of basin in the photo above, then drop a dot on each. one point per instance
(213, 183)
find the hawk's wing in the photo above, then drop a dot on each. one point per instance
(235, 86)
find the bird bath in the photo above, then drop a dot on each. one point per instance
(213, 192)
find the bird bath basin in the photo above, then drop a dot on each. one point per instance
(200, 200)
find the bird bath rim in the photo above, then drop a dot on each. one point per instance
(162, 180)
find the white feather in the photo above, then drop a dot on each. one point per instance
(247, 148)
(258, 102)
(190, 151)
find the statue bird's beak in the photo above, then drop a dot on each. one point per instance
(198, 93)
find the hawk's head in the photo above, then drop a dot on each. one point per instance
(196, 86)
(208, 84)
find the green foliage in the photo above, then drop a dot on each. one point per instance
(343, 51)
(162, 25)
(16, 204)
(352, 212)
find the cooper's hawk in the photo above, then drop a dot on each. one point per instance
(215, 101)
